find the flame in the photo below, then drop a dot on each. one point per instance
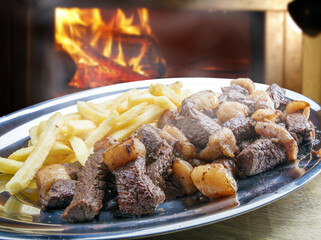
(105, 33)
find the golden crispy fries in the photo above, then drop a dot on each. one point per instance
(159, 89)
(73, 116)
(139, 98)
(123, 107)
(33, 135)
(41, 127)
(9, 166)
(21, 154)
(4, 179)
(60, 148)
(80, 149)
(103, 129)
(130, 114)
(98, 108)
(152, 113)
(85, 110)
(79, 127)
(34, 162)
(176, 87)
(164, 102)
(118, 100)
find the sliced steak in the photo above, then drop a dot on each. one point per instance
(260, 156)
(301, 129)
(59, 195)
(242, 128)
(90, 190)
(137, 194)
(277, 95)
(159, 154)
(169, 117)
(73, 169)
(196, 126)
(237, 93)
(173, 188)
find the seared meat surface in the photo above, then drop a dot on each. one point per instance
(90, 190)
(196, 126)
(301, 128)
(260, 156)
(277, 95)
(59, 195)
(137, 194)
(159, 154)
(242, 128)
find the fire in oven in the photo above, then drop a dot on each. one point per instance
(60, 48)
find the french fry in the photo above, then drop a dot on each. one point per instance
(116, 101)
(80, 149)
(33, 135)
(41, 127)
(9, 166)
(78, 127)
(34, 162)
(73, 116)
(176, 87)
(98, 108)
(162, 90)
(139, 98)
(165, 103)
(69, 158)
(60, 148)
(152, 113)
(123, 107)
(85, 110)
(130, 114)
(21, 154)
(4, 179)
(103, 129)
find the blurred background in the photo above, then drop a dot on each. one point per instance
(56, 47)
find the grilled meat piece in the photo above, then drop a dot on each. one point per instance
(73, 169)
(90, 190)
(301, 129)
(196, 126)
(237, 93)
(59, 195)
(137, 194)
(159, 154)
(169, 117)
(242, 128)
(277, 95)
(260, 156)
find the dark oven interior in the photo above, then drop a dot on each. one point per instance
(59, 47)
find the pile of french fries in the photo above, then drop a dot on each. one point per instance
(70, 138)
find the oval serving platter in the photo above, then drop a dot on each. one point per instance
(179, 214)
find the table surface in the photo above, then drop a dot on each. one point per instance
(295, 216)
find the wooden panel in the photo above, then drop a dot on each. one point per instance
(292, 55)
(274, 46)
(311, 83)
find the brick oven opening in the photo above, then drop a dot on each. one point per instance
(99, 46)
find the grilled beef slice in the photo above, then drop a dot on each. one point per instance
(137, 194)
(260, 156)
(301, 130)
(159, 154)
(277, 95)
(73, 169)
(59, 195)
(242, 128)
(196, 126)
(169, 117)
(90, 190)
(237, 93)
